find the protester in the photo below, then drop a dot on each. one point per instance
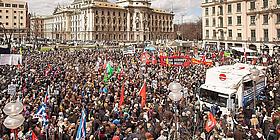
(110, 87)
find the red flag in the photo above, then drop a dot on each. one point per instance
(34, 137)
(142, 93)
(211, 122)
(122, 96)
(120, 75)
(154, 61)
(203, 59)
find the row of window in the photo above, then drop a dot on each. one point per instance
(11, 5)
(265, 19)
(7, 11)
(7, 24)
(239, 35)
(238, 7)
(7, 17)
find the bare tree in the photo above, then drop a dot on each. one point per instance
(190, 30)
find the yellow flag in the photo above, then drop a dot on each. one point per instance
(20, 51)
(167, 61)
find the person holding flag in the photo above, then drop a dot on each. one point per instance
(81, 133)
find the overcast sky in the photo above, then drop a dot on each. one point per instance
(188, 9)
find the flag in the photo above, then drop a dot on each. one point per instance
(109, 72)
(41, 113)
(81, 133)
(34, 137)
(203, 58)
(211, 122)
(142, 93)
(20, 50)
(46, 99)
(167, 62)
(154, 61)
(122, 96)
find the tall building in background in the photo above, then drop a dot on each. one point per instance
(125, 20)
(254, 24)
(13, 17)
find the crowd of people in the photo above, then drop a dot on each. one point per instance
(74, 81)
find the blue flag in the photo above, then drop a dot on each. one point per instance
(81, 133)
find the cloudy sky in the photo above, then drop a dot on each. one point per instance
(188, 10)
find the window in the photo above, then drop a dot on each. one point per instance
(214, 34)
(0, 17)
(7, 11)
(278, 33)
(206, 11)
(229, 8)
(265, 3)
(7, 5)
(15, 24)
(213, 10)
(278, 3)
(265, 19)
(207, 22)
(21, 17)
(7, 17)
(253, 20)
(238, 7)
(15, 17)
(7, 23)
(21, 12)
(239, 35)
(253, 35)
(15, 12)
(214, 22)
(207, 33)
(14, 5)
(278, 18)
(252, 5)
(238, 20)
(0, 11)
(102, 12)
(265, 34)
(229, 33)
(229, 20)
(1, 4)
(21, 6)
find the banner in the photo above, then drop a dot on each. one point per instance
(129, 50)
(10, 59)
(175, 61)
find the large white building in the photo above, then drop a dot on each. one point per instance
(125, 20)
(254, 24)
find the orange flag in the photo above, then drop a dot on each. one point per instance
(143, 94)
(34, 137)
(211, 122)
(122, 96)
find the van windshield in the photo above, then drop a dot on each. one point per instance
(213, 97)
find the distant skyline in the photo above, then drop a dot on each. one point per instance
(188, 9)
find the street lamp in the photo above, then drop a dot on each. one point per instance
(255, 77)
(13, 109)
(175, 95)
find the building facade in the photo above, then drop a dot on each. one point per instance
(37, 27)
(13, 19)
(125, 20)
(254, 24)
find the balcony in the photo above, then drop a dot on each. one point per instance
(239, 38)
(221, 38)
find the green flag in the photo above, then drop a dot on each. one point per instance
(109, 72)
(227, 54)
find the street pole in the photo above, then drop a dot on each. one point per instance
(255, 90)
(18, 29)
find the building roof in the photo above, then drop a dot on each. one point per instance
(161, 11)
(107, 5)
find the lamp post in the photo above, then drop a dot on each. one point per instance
(255, 77)
(175, 95)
